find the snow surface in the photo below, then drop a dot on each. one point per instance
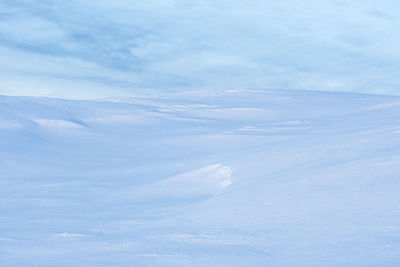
(221, 178)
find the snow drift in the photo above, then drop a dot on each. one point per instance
(224, 178)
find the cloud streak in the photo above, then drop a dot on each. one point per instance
(103, 48)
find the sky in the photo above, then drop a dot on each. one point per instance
(103, 48)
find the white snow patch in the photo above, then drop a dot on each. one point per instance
(225, 183)
(233, 91)
(255, 130)
(296, 122)
(57, 123)
(72, 235)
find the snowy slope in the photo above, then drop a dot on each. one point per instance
(224, 178)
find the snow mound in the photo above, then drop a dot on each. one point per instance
(57, 124)
(204, 181)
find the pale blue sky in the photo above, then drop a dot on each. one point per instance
(90, 49)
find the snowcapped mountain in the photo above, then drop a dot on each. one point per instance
(223, 178)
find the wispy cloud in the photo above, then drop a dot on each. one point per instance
(98, 48)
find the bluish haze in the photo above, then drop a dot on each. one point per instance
(113, 48)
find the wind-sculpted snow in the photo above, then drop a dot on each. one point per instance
(224, 178)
